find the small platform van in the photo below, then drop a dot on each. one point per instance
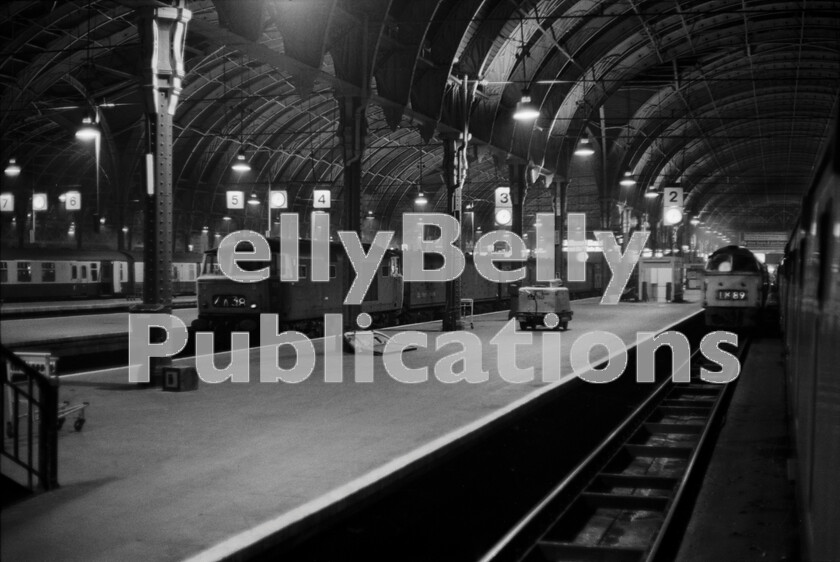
(535, 303)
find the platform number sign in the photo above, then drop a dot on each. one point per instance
(7, 202)
(73, 201)
(504, 207)
(279, 199)
(672, 205)
(321, 199)
(235, 200)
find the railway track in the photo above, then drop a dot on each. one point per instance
(581, 445)
(620, 504)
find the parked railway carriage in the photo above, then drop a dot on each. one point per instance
(49, 274)
(53, 274)
(809, 298)
(185, 268)
(735, 287)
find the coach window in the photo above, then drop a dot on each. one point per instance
(84, 273)
(94, 272)
(302, 272)
(48, 272)
(4, 272)
(74, 272)
(332, 272)
(24, 272)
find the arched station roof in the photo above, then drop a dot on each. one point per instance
(733, 98)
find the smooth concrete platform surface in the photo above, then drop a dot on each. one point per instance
(41, 332)
(745, 510)
(160, 475)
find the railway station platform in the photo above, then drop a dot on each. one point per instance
(79, 306)
(745, 509)
(160, 475)
(88, 333)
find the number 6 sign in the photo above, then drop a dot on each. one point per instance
(73, 201)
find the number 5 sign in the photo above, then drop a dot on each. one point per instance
(235, 200)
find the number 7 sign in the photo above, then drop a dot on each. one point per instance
(7, 202)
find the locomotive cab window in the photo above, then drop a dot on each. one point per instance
(209, 265)
(24, 272)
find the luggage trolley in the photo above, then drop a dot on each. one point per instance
(467, 310)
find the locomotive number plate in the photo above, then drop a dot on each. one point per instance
(230, 301)
(732, 295)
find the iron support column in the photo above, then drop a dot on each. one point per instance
(454, 171)
(352, 132)
(162, 38)
(517, 174)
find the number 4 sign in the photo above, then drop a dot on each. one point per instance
(321, 199)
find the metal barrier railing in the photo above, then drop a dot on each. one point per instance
(29, 410)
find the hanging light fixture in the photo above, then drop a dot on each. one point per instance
(241, 164)
(627, 180)
(253, 200)
(650, 194)
(584, 148)
(695, 221)
(420, 200)
(526, 110)
(12, 169)
(88, 131)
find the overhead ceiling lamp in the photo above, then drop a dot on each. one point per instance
(584, 148)
(695, 221)
(627, 180)
(651, 194)
(526, 110)
(241, 164)
(253, 200)
(12, 169)
(88, 131)
(421, 199)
